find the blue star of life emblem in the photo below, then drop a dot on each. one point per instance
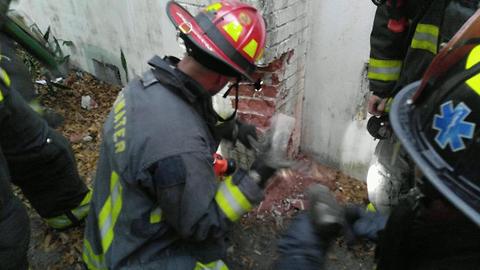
(452, 127)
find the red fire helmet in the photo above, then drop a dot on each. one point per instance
(231, 32)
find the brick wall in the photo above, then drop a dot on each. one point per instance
(283, 68)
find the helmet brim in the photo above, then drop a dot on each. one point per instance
(190, 29)
(425, 157)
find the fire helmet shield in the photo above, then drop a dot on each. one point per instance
(437, 121)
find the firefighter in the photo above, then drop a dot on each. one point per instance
(22, 79)
(40, 160)
(437, 225)
(14, 223)
(156, 202)
(406, 35)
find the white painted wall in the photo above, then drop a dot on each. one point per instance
(334, 116)
(100, 28)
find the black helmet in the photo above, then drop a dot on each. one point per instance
(437, 120)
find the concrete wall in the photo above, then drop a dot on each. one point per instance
(100, 29)
(334, 116)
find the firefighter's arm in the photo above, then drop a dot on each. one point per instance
(194, 204)
(387, 50)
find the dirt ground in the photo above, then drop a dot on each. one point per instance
(253, 239)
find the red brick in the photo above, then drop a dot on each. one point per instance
(269, 91)
(244, 91)
(278, 63)
(248, 91)
(275, 79)
(262, 122)
(263, 107)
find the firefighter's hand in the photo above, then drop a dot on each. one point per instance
(261, 172)
(327, 215)
(363, 224)
(234, 130)
(377, 105)
(246, 132)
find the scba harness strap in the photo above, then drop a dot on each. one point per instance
(193, 96)
(164, 72)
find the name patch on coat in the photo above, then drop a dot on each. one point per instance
(120, 122)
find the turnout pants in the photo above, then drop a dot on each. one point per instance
(14, 225)
(41, 163)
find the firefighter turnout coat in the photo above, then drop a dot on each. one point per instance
(397, 57)
(156, 201)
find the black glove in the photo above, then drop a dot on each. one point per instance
(234, 130)
(301, 246)
(261, 172)
(363, 224)
(244, 132)
(327, 215)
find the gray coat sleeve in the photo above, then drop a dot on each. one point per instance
(194, 203)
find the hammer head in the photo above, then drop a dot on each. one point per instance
(272, 147)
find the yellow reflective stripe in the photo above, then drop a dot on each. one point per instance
(251, 48)
(80, 212)
(59, 222)
(383, 77)
(384, 70)
(214, 7)
(225, 206)
(92, 260)
(120, 104)
(428, 29)
(234, 29)
(424, 45)
(371, 208)
(379, 63)
(473, 59)
(156, 215)
(35, 105)
(5, 78)
(231, 200)
(426, 38)
(110, 211)
(237, 194)
(216, 265)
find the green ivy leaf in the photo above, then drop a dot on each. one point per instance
(47, 34)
